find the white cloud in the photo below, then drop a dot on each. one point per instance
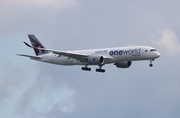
(43, 96)
(168, 40)
(12, 78)
(31, 15)
(54, 4)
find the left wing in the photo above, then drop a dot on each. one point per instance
(78, 56)
(75, 55)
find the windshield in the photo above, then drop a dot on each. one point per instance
(153, 50)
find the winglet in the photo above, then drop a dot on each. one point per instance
(28, 45)
(36, 48)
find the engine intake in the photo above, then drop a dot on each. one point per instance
(123, 64)
(95, 60)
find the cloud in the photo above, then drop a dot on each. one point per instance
(23, 16)
(12, 79)
(168, 40)
(43, 96)
(54, 4)
(58, 91)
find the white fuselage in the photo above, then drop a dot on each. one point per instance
(131, 53)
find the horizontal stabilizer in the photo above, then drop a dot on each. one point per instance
(32, 57)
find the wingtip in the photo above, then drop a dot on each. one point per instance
(27, 44)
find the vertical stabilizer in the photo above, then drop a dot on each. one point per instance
(36, 43)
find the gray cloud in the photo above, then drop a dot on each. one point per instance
(139, 94)
(62, 4)
(58, 91)
(12, 79)
(43, 95)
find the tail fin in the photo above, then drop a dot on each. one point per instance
(36, 43)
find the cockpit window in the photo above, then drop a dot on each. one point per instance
(153, 50)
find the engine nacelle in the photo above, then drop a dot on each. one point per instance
(95, 60)
(123, 64)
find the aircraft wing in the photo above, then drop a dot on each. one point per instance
(78, 56)
(75, 55)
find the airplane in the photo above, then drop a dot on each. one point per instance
(121, 57)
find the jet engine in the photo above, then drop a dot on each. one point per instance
(123, 64)
(95, 60)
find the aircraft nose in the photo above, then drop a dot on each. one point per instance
(157, 54)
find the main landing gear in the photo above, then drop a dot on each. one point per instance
(151, 65)
(100, 69)
(97, 70)
(86, 68)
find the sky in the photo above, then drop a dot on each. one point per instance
(38, 90)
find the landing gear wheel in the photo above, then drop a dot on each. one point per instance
(151, 65)
(103, 70)
(100, 70)
(89, 69)
(86, 68)
(97, 70)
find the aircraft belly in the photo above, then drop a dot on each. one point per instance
(67, 61)
(130, 58)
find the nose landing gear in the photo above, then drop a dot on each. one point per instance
(151, 65)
